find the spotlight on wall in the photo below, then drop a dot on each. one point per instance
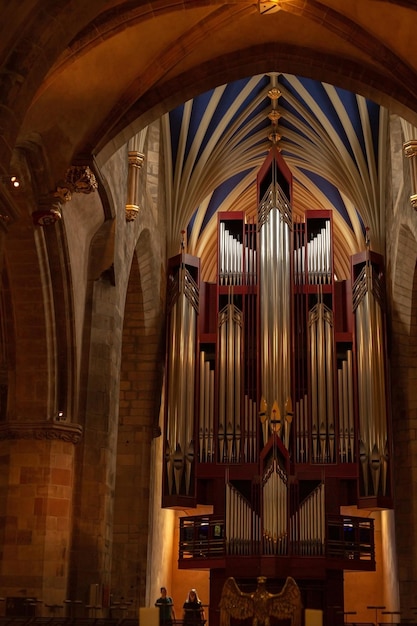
(10, 179)
(266, 7)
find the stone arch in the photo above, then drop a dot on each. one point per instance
(290, 59)
(141, 374)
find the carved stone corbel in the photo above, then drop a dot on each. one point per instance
(49, 211)
(80, 179)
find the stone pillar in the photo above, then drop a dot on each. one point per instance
(36, 490)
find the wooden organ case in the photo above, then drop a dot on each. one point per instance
(276, 403)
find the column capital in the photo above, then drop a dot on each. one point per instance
(135, 158)
(70, 433)
(410, 148)
(49, 211)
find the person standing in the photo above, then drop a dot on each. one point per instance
(193, 610)
(166, 608)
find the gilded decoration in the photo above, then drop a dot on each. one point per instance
(260, 605)
(80, 179)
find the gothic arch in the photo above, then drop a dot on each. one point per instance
(141, 375)
(404, 401)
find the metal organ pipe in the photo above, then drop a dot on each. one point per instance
(274, 510)
(230, 257)
(190, 398)
(307, 524)
(202, 410)
(319, 257)
(237, 430)
(250, 256)
(301, 413)
(367, 300)
(322, 431)
(275, 273)
(230, 371)
(329, 352)
(242, 523)
(346, 417)
(206, 410)
(210, 452)
(179, 453)
(351, 417)
(321, 377)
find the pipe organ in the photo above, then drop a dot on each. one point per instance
(276, 401)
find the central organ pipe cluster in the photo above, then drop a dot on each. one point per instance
(278, 374)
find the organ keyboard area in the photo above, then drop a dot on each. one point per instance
(276, 403)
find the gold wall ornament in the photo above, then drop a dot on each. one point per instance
(131, 212)
(63, 192)
(274, 138)
(260, 605)
(80, 179)
(274, 115)
(410, 151)
(274, 93)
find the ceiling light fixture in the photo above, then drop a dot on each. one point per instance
(266, 7)
(11, 179)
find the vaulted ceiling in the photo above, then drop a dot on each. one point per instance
(329, 138)
(82, 78)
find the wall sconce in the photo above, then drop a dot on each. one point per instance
(11, 180)
(267, 7)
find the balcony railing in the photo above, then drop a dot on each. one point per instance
(347, 538)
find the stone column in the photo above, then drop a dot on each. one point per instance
(36, 488)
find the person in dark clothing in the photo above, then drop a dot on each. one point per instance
(193, 610)
(166, 608)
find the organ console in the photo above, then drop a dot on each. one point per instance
(276, 403)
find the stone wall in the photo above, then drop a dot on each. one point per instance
(401, 246)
